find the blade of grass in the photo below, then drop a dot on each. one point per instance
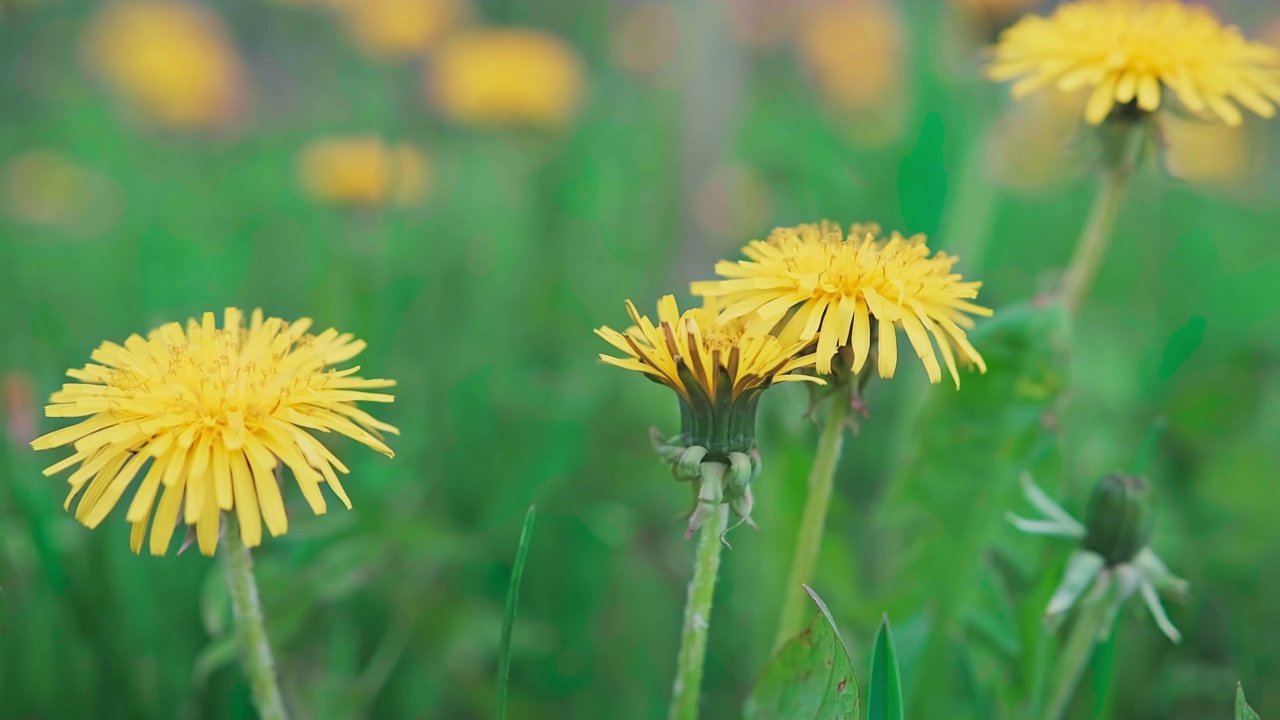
(509, 614)
(884, 688)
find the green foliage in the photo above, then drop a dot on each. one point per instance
(884, 687)
(509, 614)
(481, 304)
(951, 499)
(1243, 711)
(811, 677)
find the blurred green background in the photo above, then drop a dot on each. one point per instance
(498, 202)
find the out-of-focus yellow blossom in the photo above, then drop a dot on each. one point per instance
(398, 29)
(1203, 153)
(171, 60)
(212, 415)
(364, 171)
(1131, 53)
(42, 187)
(501, 76)
(816, 284)
(855, 50)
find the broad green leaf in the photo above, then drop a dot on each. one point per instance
(811, 677)
(967, 448)
(509, 614)
(1243, 711)
(884, 688)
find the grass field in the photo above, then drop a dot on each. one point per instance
(658, 138)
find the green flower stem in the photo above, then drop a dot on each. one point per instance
(809, 540)
(1075, 656)
(697, 608)
(1097, 229)
(255, 649)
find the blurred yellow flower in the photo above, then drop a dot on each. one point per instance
(837, 285)
(215, 412)
(697, 356)
(171, 60)
(363, 170)
(43, 187)
(398, 29)
(514, 75)
(855, 50)
(1202, 153)
(1129, 52)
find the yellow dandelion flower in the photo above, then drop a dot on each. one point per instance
(507, 76)
(695, 355)
(363, 170)
(1129, 52)
(211, 413)
(836, 285)
(718, 369)
(398, 29)
(172, 60)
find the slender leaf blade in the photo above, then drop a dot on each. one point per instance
(509, 613)
(1243, 711)
(884, 688)
(811, 677)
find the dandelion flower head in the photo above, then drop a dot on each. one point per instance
(173, 61)
(710, 353)
(833, 286)
(517, 76)
(1133, 51)
(211, 414)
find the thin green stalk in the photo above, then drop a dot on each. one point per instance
(1097, 228)
(1043, 661)
(509, 613)
(255, 649)
(697, 608)
(1075, 656)
(809, 539)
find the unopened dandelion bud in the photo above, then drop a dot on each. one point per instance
(1119, 518)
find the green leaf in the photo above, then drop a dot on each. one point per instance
(967, 448)
(509, 614)
(811, 677)
(1243, 711)
(884, 688)
(219, 653)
